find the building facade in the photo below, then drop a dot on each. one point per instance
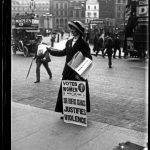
(77, 10)
(92, 10)
(59, 10)
(106, 9)
(40, 8)
(120, 12)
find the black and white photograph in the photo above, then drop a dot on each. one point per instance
(79, 74)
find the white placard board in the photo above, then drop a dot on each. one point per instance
(74, 102)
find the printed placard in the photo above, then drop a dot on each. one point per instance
(74, 102)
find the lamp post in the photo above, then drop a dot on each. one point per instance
(47, 15)
(32, 5)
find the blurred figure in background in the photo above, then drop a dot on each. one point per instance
(109, 46)
(117, 46)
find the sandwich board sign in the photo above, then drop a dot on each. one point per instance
(74, 102)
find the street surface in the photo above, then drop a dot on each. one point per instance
(118, 94)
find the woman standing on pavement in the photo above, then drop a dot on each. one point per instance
(74, 45)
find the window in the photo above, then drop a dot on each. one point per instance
(119, 8)
(65, 12)
(71, 13)
(77, 13)
(82, 14)
(89, 14)
(61, 21)
(61, 5)
(94, 7)
(119, 1)
(62, 13)
(118, 15)
(56, 6)
(88, 7)
(124, 1)
(57, 21)
(95, 15)
(65, 6)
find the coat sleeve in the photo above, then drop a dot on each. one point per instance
(60, 52)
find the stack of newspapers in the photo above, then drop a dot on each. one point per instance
(81, 64)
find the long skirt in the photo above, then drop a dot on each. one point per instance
(59, 103)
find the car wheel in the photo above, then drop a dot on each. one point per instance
(26, 51)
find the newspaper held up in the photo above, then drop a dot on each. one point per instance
(81, 64)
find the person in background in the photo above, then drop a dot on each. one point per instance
(73, 45)
(96, 37)
(109, 51)
(100, 46)
(117, 47)
(41, 59)
(53, 40)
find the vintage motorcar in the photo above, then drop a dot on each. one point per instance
(24, 40)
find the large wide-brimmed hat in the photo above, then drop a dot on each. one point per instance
(78, 25)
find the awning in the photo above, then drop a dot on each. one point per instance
(32, 30)
(26, 28)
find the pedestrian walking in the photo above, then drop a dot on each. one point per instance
(41, 58)
(96, 37)
(87, 37)
(74, 45)
(53, 40)
(117, 46)
(58, 37)
(100, 46)
(109, 51)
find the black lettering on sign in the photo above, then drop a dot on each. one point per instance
(75, 110)
(70, 89)
(80, 102)
(70, 83)
(65, 100)
(75, 118)
(72, 101)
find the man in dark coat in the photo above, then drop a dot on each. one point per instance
(100, 46)
(77, 43)
(117, 47)
(109, 51)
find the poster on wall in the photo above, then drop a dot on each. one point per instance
(74, 102)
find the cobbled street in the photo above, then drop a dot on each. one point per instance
(118, 95)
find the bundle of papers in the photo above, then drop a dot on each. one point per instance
(80, 64)
(42, 48)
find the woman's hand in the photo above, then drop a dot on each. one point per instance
(49, 50)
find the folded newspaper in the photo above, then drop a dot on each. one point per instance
(42, 48)
(81, 64)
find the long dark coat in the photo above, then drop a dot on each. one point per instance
(68, 73)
